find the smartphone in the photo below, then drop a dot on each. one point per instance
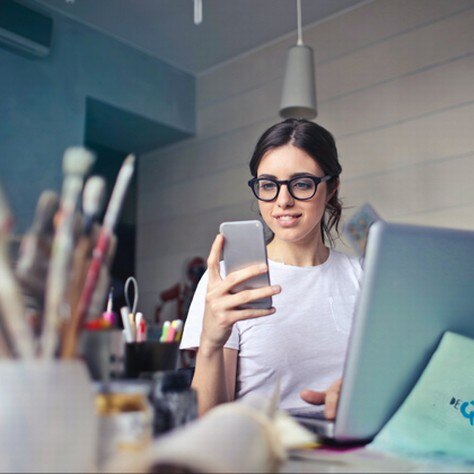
(244, 245)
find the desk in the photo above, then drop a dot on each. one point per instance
(320, 461)
(364, 460)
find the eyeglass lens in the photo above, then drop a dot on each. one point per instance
(299, 188)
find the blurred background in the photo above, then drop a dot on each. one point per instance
(394, 82)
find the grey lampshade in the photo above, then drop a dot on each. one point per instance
(298, 99)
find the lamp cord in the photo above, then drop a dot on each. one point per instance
(298, 14)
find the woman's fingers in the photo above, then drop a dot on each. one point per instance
(332, 399)
(247, 296)
(312, 396)
(213, 265)
(239, 276)
(242, 314)
(228, 302)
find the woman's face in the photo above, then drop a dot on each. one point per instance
(292, 220)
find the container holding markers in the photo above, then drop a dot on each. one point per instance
(143, 359)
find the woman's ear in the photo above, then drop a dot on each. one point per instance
(333, 190)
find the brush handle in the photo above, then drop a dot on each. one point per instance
(18, 336)
(80, 314)
(60, 260)
(12, 308)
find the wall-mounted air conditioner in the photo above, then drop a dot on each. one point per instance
(24, 29)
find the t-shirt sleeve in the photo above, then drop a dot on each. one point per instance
(193, 325)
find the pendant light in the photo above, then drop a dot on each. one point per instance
(197, 12)
(298, 99)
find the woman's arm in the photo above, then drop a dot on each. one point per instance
(214, 377)
(216, 366)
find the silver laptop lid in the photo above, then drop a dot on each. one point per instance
(418, 283)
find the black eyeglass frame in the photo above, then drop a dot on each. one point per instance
(279, 183)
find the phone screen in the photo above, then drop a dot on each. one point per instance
(244, 245)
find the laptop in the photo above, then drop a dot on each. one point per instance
(418, 283)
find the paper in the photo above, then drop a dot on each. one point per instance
(356, 230)
(248, 435)
(437, 417)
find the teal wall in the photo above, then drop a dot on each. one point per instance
(43, 104)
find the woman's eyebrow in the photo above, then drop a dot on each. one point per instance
(294, 175)
(299, 175)
(269, 176)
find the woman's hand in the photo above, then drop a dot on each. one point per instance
(330, 398)
(221, 310)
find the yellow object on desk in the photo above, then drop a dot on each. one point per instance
(125, 423)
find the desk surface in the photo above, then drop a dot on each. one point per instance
(364, 460)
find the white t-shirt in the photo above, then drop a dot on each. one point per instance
(304, 341)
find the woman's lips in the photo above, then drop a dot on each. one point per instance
(287, 220)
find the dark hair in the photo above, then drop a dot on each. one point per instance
(320, 145)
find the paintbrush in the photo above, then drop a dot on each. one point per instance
(76, 163)
(99, 255)
(17, 335)
(99, 296)
(92, 204)
(33, 261)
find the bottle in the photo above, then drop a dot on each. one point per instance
(174, 401)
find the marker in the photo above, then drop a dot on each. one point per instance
(108, 314)
(164, 331)
(140, 325)
(178, 325)
(171, 334)
(127, 330)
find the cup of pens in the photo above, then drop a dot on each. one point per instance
(143, 359)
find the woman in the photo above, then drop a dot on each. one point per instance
(303, 338)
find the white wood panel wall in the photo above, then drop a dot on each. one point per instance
(395, 85)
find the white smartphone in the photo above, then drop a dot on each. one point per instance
(244, 245)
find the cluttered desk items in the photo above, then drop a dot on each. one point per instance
(248, 435)
(62, 275)
(59, 283)
(417, 285)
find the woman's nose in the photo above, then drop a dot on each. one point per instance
(284, 198)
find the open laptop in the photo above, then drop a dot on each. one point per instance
(418, 283)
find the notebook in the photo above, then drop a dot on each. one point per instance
(418, 283)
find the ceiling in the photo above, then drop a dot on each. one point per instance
(165, 28)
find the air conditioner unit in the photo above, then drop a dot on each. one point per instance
(24, 29)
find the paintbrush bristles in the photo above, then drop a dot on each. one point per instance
(48, 205)
(118, 193)
(93, 196)
(77, 161)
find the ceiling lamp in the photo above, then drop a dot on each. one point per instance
(197, 12)
(298, 99)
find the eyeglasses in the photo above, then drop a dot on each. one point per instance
(301, 188)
